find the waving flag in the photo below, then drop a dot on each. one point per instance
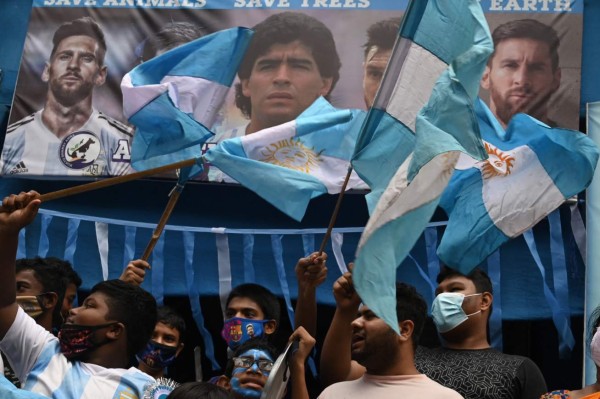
(531, 170)
(422, 119)
(290, 164)
(173, 99)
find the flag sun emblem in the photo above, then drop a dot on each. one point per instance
(291, 154)
(498, 163)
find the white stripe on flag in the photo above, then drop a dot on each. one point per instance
(414, 85)
(514, 211)
(399, 198)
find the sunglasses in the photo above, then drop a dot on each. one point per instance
(247, 362)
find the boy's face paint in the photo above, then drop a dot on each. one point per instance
(249, 382)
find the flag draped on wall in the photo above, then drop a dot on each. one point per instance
(292, 163)
(531, 170)
(427, 94)
(173, 99)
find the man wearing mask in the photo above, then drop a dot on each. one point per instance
(165, 345)
(460, 311)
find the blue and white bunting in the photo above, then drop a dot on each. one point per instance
(292, 163)
(173, 99)
(531, 170)
(422, 119)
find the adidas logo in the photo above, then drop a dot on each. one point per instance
(19, 168)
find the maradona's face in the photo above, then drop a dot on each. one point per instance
(74, 69)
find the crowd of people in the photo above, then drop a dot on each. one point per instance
(119, 344)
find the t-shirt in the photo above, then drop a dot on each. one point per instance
(417, 386)
(482, 373)
(101, 147)
(35, 356)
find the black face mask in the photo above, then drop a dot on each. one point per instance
(76, 340)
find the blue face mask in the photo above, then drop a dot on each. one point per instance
(447, 311)
(157, 356)
(238, 330)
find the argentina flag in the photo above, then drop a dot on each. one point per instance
(531, 170)
(173, 99)
(292, 163)
(422, 119)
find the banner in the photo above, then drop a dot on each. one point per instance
(67, 115)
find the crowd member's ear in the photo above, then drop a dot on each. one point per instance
(49, 300)
(406, 330)
(115, 331)
(486, 301)
(224, 382)
(270, 327)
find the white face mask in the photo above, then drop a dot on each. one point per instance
(595, 347)
(447, 311)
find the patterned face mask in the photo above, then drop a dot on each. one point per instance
(31, 304)
(76, 340)
(157, 356)
(238, 330)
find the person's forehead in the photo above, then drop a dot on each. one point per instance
(99, 298)
(242, 302)
(518, 47)
(165, 329)
(456, 281)
(378, 56)
(77, 41)
(28, 275)
(295, 49)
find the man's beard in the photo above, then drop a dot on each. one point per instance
(535, 107)
(69, 96)
(378, 354)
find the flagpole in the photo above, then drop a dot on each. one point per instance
(336, 212)
(111, 181)
(173, 198)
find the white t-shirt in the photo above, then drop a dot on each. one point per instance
(100, 148)
(417, 386)
(42, 368)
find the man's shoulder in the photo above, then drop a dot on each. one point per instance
(21, 124)
(114, 125)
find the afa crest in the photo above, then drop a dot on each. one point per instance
(499, 163)
(291, 154)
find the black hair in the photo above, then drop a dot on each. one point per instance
(200, 390)
(132, 306)
(171, 318)
(479, 278)
(529, 29)
(284, 28)
(260, 343)
(84, 26)
(171, 35)
(264, 298)
(47, 272)
(410, 305)
(69, 274)
(382, 34)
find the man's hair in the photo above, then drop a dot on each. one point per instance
(593, 324)
(410, 305)
(47, 272)
(171, 35)
(69, 274)
(529, 29)
(260, 343)
(284, 28)
(132, 306)
(171, 318)
(479, 278)
(382, 34)
(264, 298)
(200, 389)
(84, 26)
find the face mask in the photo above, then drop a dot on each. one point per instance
(447, 311)
(595, 347)
(238, 330)
(157, 356)
(76, 340)
(31, 304)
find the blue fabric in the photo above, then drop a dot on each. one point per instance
(71, 244)
(279, 263)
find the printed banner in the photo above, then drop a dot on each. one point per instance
(67, 117)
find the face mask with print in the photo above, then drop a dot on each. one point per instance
(31, 304)
(238, 330)
(76, 340)
(157, 356)
(447, 311)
